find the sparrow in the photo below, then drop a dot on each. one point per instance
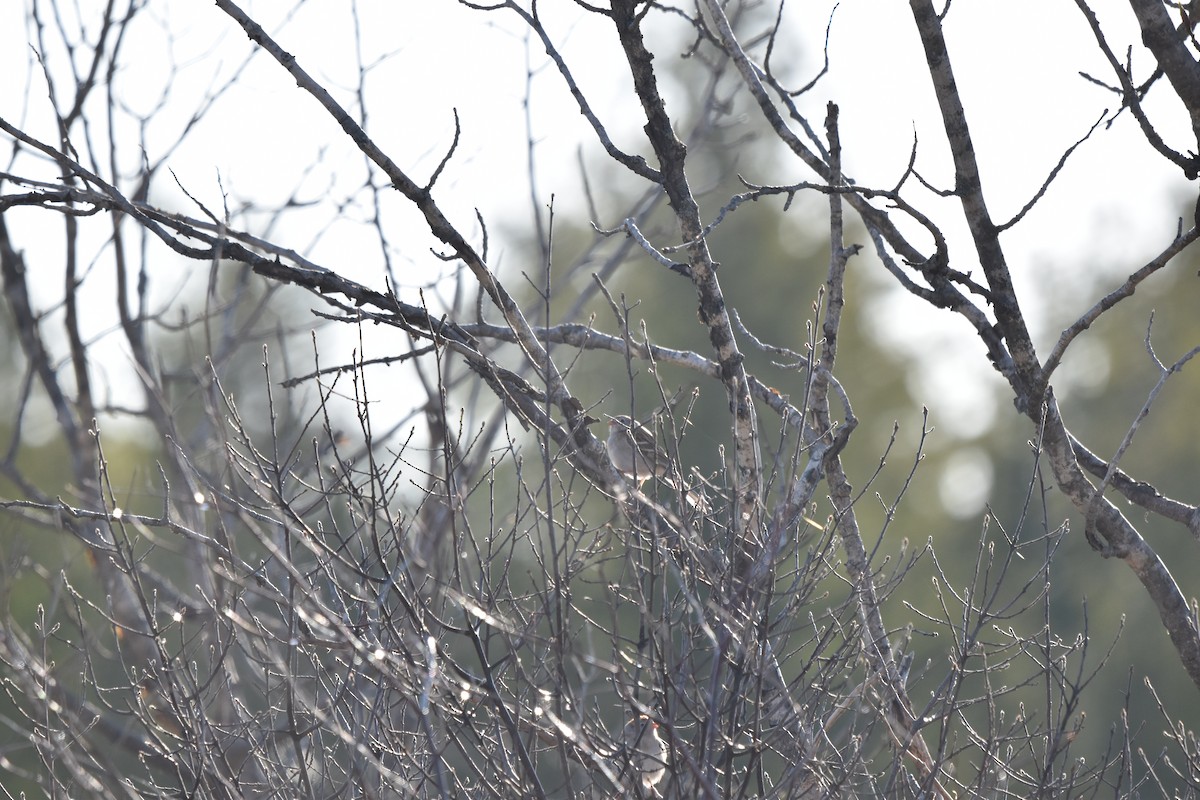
(634, 450)
(646, 751)
(635, 453)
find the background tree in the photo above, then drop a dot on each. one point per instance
(325, 507)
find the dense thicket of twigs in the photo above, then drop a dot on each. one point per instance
(475, 602)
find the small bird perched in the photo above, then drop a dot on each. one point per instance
(646, 750)
(633, 449)
(635, 453)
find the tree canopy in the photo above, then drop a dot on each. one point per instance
(324, 349)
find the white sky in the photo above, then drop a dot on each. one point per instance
(1016, 62)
